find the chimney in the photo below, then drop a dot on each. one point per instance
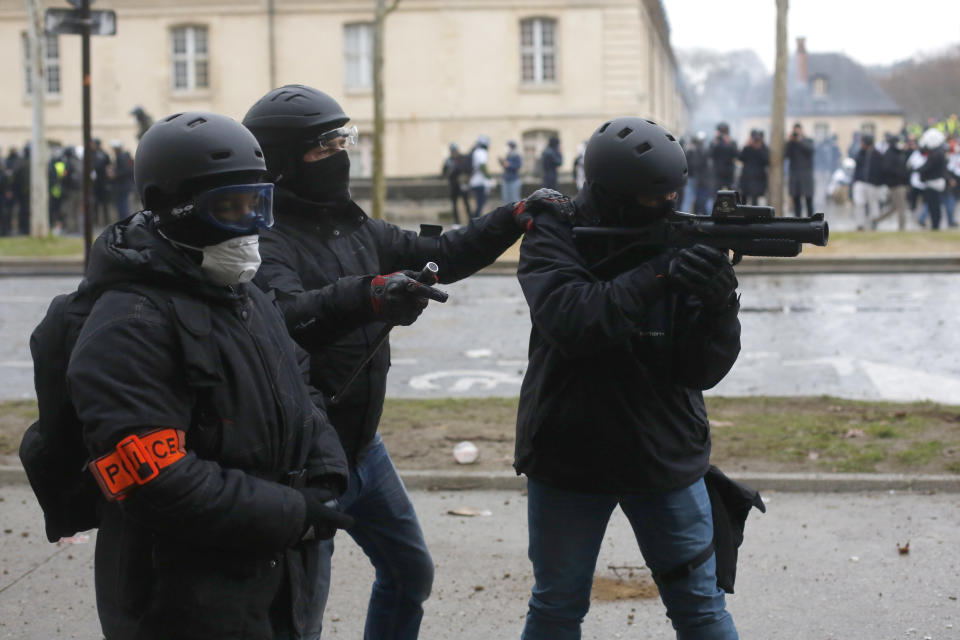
(802, 60)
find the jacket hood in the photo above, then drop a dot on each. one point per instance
(133, 251)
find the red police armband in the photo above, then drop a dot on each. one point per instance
(137, 460)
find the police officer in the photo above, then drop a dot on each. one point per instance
(611, 410)
(216, 460)
(339, 277)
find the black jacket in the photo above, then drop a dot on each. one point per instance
(320, 270)
(612, 400)
(895, 171)
(203, 549)
(800, 155)
(753, 177)
(869, 166)
(722, 155)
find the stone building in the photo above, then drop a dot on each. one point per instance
(510, 69)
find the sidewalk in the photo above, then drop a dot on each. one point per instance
(815, 565)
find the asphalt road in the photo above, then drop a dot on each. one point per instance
(815, 566)
(872, 336)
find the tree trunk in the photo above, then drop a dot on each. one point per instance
(39, 187)
(379, 179)
(778, 111)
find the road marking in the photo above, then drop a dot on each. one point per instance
(478, 353)
(402, 361)
(17, 364)
(902, 383)
(842, 365)
(463, 380)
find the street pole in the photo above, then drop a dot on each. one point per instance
(87, 160)
(778, 111)
(39, 193)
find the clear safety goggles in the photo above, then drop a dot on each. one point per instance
(336, 139)
(238, 208)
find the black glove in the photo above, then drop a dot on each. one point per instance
(704, 272)
(323, 519)
(397, 298)
(542, 200)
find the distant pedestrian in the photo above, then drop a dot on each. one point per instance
(723, 152)
(932, 173)
(101, 184)
(896, 177)
(838, 191)
(579, 175)
(512, 182)
(799, 153)
(122, 179)
(144, 121)
(21, 191)
(700, 175)
(755, 157)
(456, 169)
(56, 173)
(868, 180)
(550, 161)
(826, 160)
(480, 182)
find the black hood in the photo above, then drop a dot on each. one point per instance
(132, 251)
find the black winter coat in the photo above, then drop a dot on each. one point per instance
(320, 271)
(210, 547)
(869, 167)
(895, 171)
(753, 176)
(611, 400)
(723, 154)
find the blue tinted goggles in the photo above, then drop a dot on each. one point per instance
(239, 208)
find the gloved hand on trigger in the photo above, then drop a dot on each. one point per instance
(397, 298)
(322, 514)
(704, 272)
(540, 201)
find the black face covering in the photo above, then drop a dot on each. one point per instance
(613, 210)
(326, 181)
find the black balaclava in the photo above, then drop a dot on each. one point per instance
(614, 210)
(325, 181)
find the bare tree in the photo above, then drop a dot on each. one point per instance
(39, 195)
(379, 179)
(926, 87)
(778, 112)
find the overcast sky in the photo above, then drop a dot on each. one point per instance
(870, 32)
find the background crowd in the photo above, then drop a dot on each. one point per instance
(112, 195)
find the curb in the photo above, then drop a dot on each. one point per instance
(784, 482)
(946, 263)
(779, 266)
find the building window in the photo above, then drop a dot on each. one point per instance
(538, 51)
(361, 158)
(191, 62)
(869, 128)
(358, 55)
(819, 87)
(821, 130)
(51, 67)
(534, 142)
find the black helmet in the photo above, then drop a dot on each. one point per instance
(288, 114)
(189, 152)
(631, 156)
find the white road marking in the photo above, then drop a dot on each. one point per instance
(17, 364)
(463, 380)
(842, 365)
(903, 383)
(478, 353)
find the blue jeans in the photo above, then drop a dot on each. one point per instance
(480, 199)
(388, 532)
(566, 529)
(510, 190)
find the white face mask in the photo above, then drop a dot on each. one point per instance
(232, 261)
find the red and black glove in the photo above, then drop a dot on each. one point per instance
(704, 272)
(541, 201)
(398, 297)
